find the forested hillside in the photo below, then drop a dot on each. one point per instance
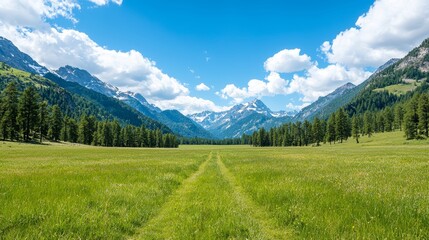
(33, 108)
(394, 98)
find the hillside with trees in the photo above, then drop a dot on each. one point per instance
(33, 108)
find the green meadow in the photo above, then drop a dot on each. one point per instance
(377, 189)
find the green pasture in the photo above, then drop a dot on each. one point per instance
(378, 189)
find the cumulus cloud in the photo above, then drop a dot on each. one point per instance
(288, 61)
(104, 2)
(202, 87)
(273, 84)
(319, 82)
(390, 29)
(24, 23)
(55, 47)
(32, 13)
(314, 83)
(189, 105)
(296, 107)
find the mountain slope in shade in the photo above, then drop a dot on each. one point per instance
(176, 121)
(104, 106)
(114, 107)
(75, 100)
(241, 118)
(13, 57)
(317, 109)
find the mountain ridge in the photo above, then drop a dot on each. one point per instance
(176, 121)
(240, 119)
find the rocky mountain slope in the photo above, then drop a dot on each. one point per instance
(242, 118)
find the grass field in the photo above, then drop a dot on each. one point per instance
(400, 89)
(376, 189)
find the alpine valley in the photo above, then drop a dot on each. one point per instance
(77, 91)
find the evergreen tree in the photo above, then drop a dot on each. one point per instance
(367, 124)
(389, 119)
(255, 139)
(107, 137)
(43, 123)
(411, 119)
(55, 123)
(116, 133)
(308, 135)
(331, 134)
(341, 125)
(28, 112)
(423, 114)
(143, 136)
(8, 121)
(73, 131)
(355, 128)
(64, 130)
(399, 116)
(318, 133)
(97, 136)
(87, 129)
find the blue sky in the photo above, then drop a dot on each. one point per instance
(236, 38)
(314, 46)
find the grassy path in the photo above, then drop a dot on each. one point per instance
(269, 227)
(210, 205)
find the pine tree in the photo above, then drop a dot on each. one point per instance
(355, 128)
(399, 116)
(55, 123)
(64, 130)
(73, 131)
(107, 138)
(28, 112)
(8, 122)
(341, 126)
(116, 133)
(308, 135)
(411, 119)
(87, 129)
(367, 124)
(43, 115)
(423, 114)
(143, 137)
(331, 134)
(389, 119)
(318, 133)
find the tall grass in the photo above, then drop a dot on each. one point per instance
(85, 192)
(375, 189)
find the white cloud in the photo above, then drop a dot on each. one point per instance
(319, 82)
(130, 70)
(288, 61)
(390, 29)
(32, 13)
(104, 2)
(202, 87)
(189, 105)
(273, 85)
(315, 83)
(293, 107)
(54, 47)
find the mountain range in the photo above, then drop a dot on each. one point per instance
(79, 87)
(93, 88)
(173, 119)
(242, 118)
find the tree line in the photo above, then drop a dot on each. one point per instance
(24, 116)
(412, 117)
